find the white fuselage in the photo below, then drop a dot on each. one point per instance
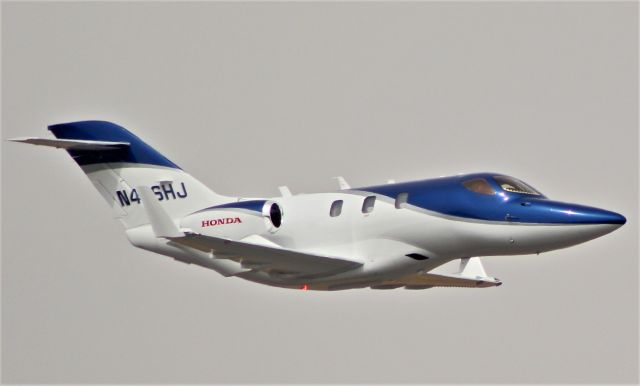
(378, 239)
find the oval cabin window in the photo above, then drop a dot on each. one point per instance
(367, 205)
(336, 208)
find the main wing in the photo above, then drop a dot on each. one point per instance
(254, 253)
(271, 259)
(428, 280)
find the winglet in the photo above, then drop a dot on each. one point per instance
(342, 183)
(161, 223)
(472, 267)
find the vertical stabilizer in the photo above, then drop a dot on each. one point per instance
(116, 161)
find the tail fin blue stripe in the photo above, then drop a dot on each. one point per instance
(137, 152)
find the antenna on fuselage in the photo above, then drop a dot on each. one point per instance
(342, 183)
(284, 191)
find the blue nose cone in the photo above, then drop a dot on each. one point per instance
(579, 214)
(601, 216)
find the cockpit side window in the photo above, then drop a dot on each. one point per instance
(479, 185)
(511, 184)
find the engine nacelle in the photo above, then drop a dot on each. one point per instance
(236, 220)
(272, 214)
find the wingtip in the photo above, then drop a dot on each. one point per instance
(19, 139)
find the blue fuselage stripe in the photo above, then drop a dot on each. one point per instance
(448, 196)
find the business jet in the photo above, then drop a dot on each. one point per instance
(379, 237)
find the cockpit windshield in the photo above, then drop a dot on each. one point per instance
(511, 184)
(479, 185)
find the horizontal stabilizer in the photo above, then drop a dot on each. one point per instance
(73, 144)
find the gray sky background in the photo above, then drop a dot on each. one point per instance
(249, 96)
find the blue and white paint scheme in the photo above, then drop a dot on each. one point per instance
(379, 237)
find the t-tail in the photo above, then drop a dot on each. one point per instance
(117, 162)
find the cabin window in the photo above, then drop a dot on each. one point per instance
(401, 198)
(336, 208)
(367, 205)
(479, 185)
(511, 184)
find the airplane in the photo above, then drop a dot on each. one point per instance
(379, 237)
